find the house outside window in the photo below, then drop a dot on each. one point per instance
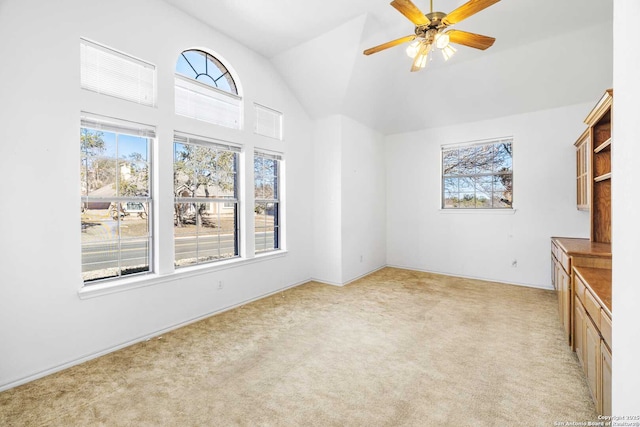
(478, 175)
(116, 214)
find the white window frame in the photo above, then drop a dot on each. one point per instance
(505, 186)
(123, 127)
(184, 138)
(276, 201)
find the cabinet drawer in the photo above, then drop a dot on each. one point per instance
(605, 327)
(579, 288)
(592, 307)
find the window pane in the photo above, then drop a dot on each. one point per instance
(134, 179)
(503, 158)
(450, 162)
(483, 159)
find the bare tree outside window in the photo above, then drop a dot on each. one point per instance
(478, 175)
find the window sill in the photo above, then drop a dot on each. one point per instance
(142, 281)
(478, 211)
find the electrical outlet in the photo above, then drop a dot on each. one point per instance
(220, 284)
(361, 258)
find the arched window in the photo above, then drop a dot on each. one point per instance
(206, 69)
(206, 90)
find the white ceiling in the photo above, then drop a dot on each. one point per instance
(548, 53)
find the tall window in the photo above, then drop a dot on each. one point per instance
(205, 179)
(266, 169)
(115, 160)
(478, 175)
(205, 90)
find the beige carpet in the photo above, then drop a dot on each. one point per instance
(397, 348)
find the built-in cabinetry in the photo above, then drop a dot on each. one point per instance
(567, 253)
(581, 268)
(592, 331)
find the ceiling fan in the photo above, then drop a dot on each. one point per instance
(430, 31)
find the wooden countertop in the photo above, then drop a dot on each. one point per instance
(584, 247)
(599, 281)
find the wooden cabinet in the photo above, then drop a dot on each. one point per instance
(565, 254)
(592, 331)
(583, 187)
(600, 144)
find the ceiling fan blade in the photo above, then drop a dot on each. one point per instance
(466, 10)
(411, 11)
(470, 39)
(387, 45)
(423, 51)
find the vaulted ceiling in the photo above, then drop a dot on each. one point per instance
(547, 53)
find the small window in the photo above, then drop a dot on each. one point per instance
(478, 175)
(115, 176)
(205, 90)
(266, 169)
(206, 223)
(109, 72)
(268, 122)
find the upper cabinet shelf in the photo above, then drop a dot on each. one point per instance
(606, 144)
(597, 140)
(593, 168)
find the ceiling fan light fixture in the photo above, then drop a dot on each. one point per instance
(448, 51)
(442, 40)
(422, 61)
(413, 48)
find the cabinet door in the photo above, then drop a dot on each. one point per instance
(592, 357)
(604, 406)
(578, 332)
(582, 161)
(564, 283)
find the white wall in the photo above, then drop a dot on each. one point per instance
(44, 325)
(363, 200)
(327, 203)
(349, 206)
(626, 207)
(484, 244)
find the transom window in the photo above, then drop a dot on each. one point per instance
(478, 175)
(205, 90)
(206, 69)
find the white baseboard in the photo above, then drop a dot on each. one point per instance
(484, 279)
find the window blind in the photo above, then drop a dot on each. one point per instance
(110, 124)
(268, 122)
(205, 103)
(109, 72)
(191, 139)
(272, 156)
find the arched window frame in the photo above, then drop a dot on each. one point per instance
(195, 98)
